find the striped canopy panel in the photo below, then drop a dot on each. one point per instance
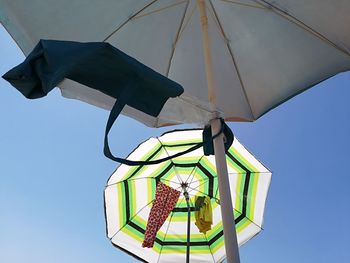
(131, 190)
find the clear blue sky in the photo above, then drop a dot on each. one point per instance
(53, 173)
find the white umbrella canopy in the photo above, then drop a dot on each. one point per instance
(262, 53)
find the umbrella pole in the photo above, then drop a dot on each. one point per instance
(230, 237)
(188, 224)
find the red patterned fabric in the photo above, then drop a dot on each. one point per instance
(164, 203)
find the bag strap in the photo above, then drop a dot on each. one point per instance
(116, 110)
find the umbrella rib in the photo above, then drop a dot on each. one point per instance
(170, 181)
(243, 4)
(205, 235)
(128, 20)
(191, 175)
(130, 219)
(192, 172)
(251, 221)
(134, 179)
(211, 252)
(179, 31)
(195, 189)
(193, 205)
(160, 9)
(232, 57)
(177, 176)
(188, 20)
(166, 232)
(202, 182)
(177, 205)
(216, 23)
(291, 18)
(213, 197)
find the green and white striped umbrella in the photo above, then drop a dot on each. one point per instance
(130, 192)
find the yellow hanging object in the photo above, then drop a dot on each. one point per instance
(203, 213)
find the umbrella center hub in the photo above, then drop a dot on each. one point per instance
(184, 187)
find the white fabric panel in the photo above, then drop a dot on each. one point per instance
(211, 159)
(220, 254)
(261, 196)
(328, 17)
(142, 189)
(175, 111)
(128, 243)
(112, 213)
(188, 68)
(73, 90)
(248, 156)
(135, 246)
(143, 206)
(216, 216)
(152, 29)
(177, 258)
(9, 19)
(180, 228)
(174, 183)
(233, 186)
(144, 212)
(247, 233)
(233, 171)
(164, 228)
(173, 258)
(276, 58)
(86, 20)
(184, 109)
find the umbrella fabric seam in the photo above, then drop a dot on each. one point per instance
(293, 19)
(178, 178)
(176, 40)
(243, 4)
(120, 229)
(229, 48)
(159, 10)
(128, 20)
(166, 232)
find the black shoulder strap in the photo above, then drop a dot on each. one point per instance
(116, 110)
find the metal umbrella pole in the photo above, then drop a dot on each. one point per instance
(230, 237)
(184, 187)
